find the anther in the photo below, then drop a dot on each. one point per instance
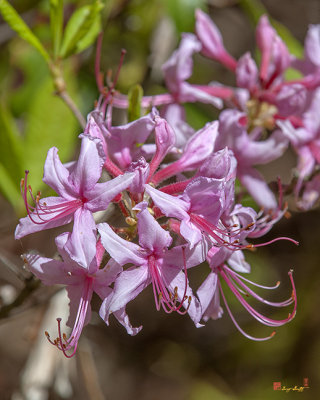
(131, 221)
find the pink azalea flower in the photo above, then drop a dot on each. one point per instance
(264, 95)
(125, 142)
(249, 152)
(306, 140)
(156, 265)
(228, 265)
(81, 276)
(79, 192)
(197, 149)
(201, 202)
(179, 68)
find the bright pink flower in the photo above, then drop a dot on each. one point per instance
(81, 275)
(211, 289)
(202, 201)
(179, 68)
(156, 265)
(197, 149)
(249, 152)
(227, 264)
(77, 186)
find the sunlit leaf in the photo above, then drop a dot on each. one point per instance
(48, 123)
(134, 96)
(10, 144)
(91, 36)
(9, 187)
(10, 157)
(196, 116)
(56, 23)
(13, 19)
(77, 34)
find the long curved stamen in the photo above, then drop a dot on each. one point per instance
(66, 344)
(162, 295)
(272, 241)
(236, 277)
(264, 222)
(236, 323)
(252, 283)
(41, 210)
(212, 231)
(258, 316)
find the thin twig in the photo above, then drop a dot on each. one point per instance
(70, 103)
(61, 91)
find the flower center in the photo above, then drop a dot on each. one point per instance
(163, 296)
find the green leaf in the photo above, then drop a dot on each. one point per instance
(134, 98)
(13, 19)
(182, 12)
(9, 188)
(56, 23)
(197, 116)
(91, 36)
(81, 22)
(11, 158)
(48, 123)
(10, 145)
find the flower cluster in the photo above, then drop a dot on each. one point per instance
(174, 188)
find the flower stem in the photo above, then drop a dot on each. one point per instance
(61, 91)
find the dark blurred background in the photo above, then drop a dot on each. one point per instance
(169, 358)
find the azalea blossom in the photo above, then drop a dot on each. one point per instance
(165, 269)
(229, 265)
(81, 274)
(80, 193)
(175, 187)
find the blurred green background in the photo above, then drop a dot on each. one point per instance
(170, 358)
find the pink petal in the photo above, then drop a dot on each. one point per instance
(247, 72)
(75, 294)
(51, 272)
(171, 206)
(179, 66)
(151, 236)
(211, 40)
(99, 197)
(123, 318)
(126, 288)
(121, 250)
(81, 245)
(208, 294)
(258, 188)
(89, 165)
(56, 176)
(123, 145)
